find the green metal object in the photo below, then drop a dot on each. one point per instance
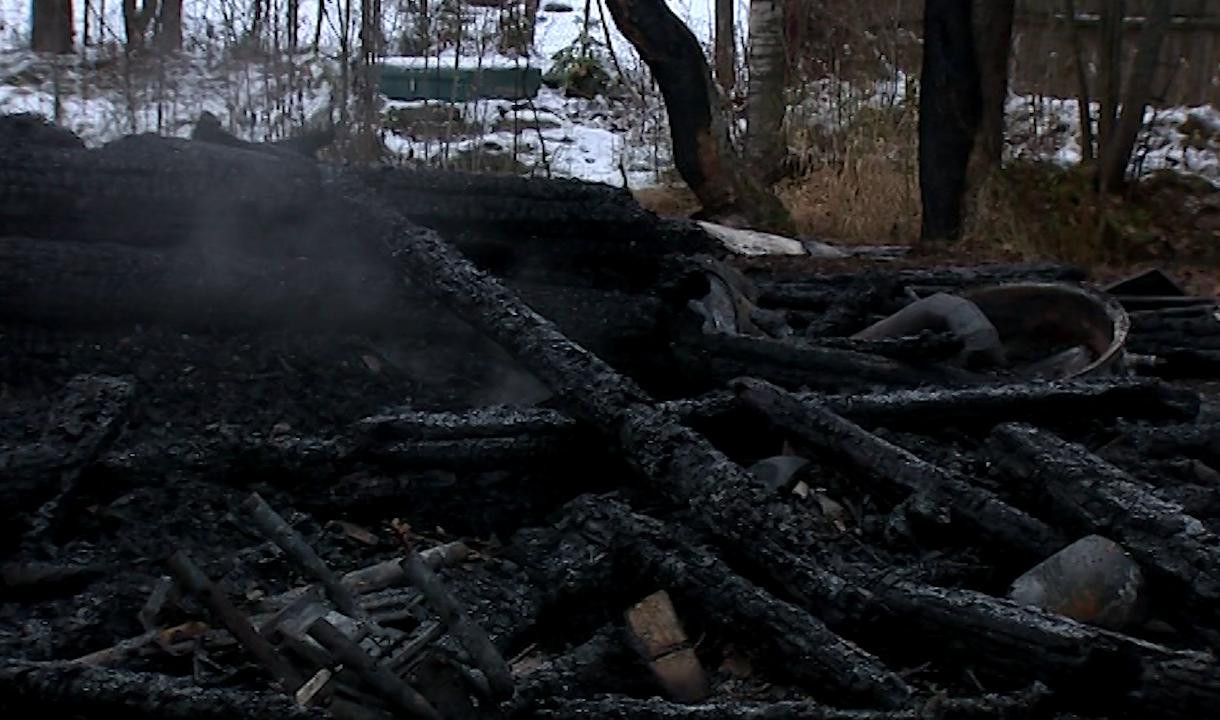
(458, 84)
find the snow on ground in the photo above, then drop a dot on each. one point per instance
(1181, 139)
(611, 141)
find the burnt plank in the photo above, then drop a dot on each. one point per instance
(981, 513)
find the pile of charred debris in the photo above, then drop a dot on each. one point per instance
(289, 440)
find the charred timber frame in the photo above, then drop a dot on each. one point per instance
(684, 467)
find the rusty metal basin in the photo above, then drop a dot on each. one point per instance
(1043, 315)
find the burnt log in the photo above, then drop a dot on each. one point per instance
(985, 405)
(895, 469)
(992, 634)
(819, 291)
(29, 689)
(1094, 496)
(88, 418)
(491, 421)
(721, 357)
(793, 643)
(702, 150)
(1028, 704)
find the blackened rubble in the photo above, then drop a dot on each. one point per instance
(289, 440)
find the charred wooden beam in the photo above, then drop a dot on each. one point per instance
(276, 529)
(1178, 363)
(991, 633)
(469, 635)
(724, 357)
(1031, 703)
(492, 421)
(601, 662)
(822, 290)
(986, 516)
(30, 689)
(385, 683)
(235, 621)
(1094, 496)
(793, 642)
(986, 405)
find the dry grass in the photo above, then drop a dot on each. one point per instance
(860, 183)
(668, 200)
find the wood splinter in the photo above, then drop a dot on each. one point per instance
(657, 635)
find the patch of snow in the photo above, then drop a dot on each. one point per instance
(755, 243)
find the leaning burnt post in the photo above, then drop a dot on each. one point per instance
(702, 150)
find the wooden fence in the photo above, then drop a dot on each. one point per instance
(1043, 55)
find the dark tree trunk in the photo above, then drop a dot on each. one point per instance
(292, 12)
(765, 106)
(993, 43)
(1120, 143)
(136, 21)
(726, 47)
(1087, 152)
(169, 26)
(701, 146)
(1111, 52)
(950, 105)
(52, 24)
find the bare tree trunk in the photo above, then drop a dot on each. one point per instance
(366, 142)
(292, 20)
(765, 106)
(317, 27)
(256, 23)
(1082, 79)
(726, 47)
(136, 21)
(52, 26)
(700, 136)
(950, 105)
(1116, 155)
(1112, 13)
(169, 26)
(993, 43)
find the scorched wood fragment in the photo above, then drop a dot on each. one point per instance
(981, 513)
(1029, 704)
(29, 689)
(793, 642)
(1094, 496)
